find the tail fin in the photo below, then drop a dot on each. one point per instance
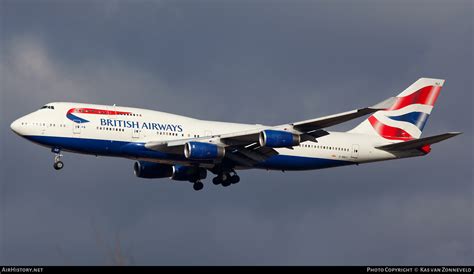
(407, 117)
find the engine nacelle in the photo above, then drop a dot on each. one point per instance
(203, 151)
(152, 170)
(188, 173)
(276, 138)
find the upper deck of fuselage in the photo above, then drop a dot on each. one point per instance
(133, 113)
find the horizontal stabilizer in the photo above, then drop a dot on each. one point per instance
(418, 143)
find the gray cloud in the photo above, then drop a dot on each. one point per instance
(260, 62)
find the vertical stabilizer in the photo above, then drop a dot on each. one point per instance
(407, 117)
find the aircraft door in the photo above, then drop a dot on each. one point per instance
(111, 112)
(76, 127)
(135, 133)
(355, 151)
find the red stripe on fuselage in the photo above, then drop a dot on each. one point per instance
(423, 96)
(97, 111)
(389, 132)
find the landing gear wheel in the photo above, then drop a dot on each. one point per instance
(217, 180)
(58, 165)
(234, 179)
(57, 158)
(198, 186)
(226, 183)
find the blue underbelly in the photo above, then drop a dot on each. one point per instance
(102, 147)
(287, 162)
(138, 150)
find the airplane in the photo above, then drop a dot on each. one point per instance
(182, 148)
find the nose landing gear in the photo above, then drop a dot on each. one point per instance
(58, 164)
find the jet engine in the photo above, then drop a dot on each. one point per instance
(277, 138)
(203, 151)
(188, 173)
(152, 170)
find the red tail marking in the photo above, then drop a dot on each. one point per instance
(389, 132)
(424, 96)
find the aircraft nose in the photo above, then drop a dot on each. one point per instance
(15, 126)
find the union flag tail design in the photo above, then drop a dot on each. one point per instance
(407, 117)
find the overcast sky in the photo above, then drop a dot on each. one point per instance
(268, 62)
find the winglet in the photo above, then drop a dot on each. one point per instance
(387, 103)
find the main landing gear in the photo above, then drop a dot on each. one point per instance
(198, 185)
(226, 179)
(223, 178)
(58, 164)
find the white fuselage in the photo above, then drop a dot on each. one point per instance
(113, 131)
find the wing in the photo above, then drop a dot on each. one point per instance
(243, 146)
(250, 155)
(309, 129)
(331, 120)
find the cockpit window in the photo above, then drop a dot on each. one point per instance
(48, 107)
